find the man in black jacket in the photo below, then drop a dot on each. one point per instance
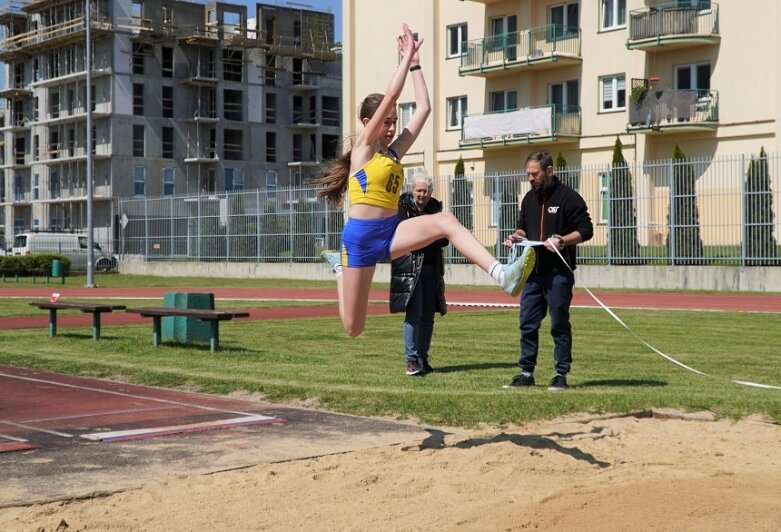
(553, 213)
(417, 281)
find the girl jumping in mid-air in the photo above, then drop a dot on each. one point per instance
(372, 174)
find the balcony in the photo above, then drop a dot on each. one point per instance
(205, 78)
(673, 26)
(549, 46)
(56, 35)
(545, 123)
(674, 111)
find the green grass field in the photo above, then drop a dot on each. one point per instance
(475, 353)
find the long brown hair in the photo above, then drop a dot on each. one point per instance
(337, 170)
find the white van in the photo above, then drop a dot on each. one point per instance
(71, 245)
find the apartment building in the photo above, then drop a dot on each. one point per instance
(186, 98)
(507, 77)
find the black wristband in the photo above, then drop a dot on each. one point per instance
(414, 68)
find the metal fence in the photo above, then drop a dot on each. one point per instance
(716, 211)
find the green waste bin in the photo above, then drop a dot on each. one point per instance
(56, 268)
(180, 328)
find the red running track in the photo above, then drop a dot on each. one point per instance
(457, 300)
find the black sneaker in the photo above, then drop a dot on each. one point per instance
(426, 367)
(414, 367)
(558, 384)
(520, 381)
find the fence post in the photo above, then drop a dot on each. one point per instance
(743, 213)
(146, 229)
(671, 210)
(610, 206)
(257, 224)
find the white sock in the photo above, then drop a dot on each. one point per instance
(496, 271)
(337, 270)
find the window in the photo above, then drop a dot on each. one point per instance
(613, 14)
(54, 65)
(231, 102)
(297, 75)
(330, 146)
(232, 64)
(612, 90)
(456, 36)
(54, 185)
(136, 9)
(406, 110)
(330, 111)
(456, 110)
(168, 181)
(232, 145)
(564, 19)
(604, 197)
(298, 147)
(138, 58)
(565, 96)
(168, 142)
(695, 76)
(139, 180)
(168, 15)
(36, 186)
(138, 140)
(298, 110)
(167, 62)
(54, 104)
(271, 147)
(270, 72)
(138, 99)
(168, 102)
(234, 179)
(503, 101)
(271, 183)
(271, 108)
(504, 36)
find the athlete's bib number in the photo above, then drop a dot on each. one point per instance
(393, 183)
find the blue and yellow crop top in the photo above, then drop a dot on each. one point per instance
(378, 183)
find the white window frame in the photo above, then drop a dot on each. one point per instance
(406, 110)
(616, 8)
(456, 35)
(505, 97)
(616, 83)
(456, 110)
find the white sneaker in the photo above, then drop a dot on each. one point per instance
(332, 258)
(518, 269)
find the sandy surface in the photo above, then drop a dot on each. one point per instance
(627, 473)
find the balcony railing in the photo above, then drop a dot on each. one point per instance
(52, 34)
(670, 24)
(675, 109)
(531, 124)
(545, 44)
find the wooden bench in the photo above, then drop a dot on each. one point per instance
(96, 309)
(213, 317)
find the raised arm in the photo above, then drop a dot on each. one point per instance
(413, 128)
(408, 48)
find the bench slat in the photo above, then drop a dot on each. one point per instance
(201, 314)
(84, 307)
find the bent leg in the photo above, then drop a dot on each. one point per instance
(353, 288)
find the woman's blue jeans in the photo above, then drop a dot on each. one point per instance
(419, 320)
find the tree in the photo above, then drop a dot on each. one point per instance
(461, 202)
(684, 242)
(568, 178)
(761, 245)
(622, 236)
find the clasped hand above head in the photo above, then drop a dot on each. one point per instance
(408, 46)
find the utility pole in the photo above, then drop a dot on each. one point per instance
(88, 65)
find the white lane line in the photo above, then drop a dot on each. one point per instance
(35, 429)
(12, 438)
(97, 414)
(126, 434)
(124, 394)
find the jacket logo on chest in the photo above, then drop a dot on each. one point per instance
(553, 209)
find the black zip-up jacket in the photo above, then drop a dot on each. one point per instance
(405, 271)
(554, 210)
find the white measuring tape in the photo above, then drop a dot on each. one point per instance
(649, 346)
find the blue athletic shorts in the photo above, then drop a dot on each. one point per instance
(367, 242)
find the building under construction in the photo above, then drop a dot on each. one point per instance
(186, 98)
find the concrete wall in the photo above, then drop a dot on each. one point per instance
(762, 279)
